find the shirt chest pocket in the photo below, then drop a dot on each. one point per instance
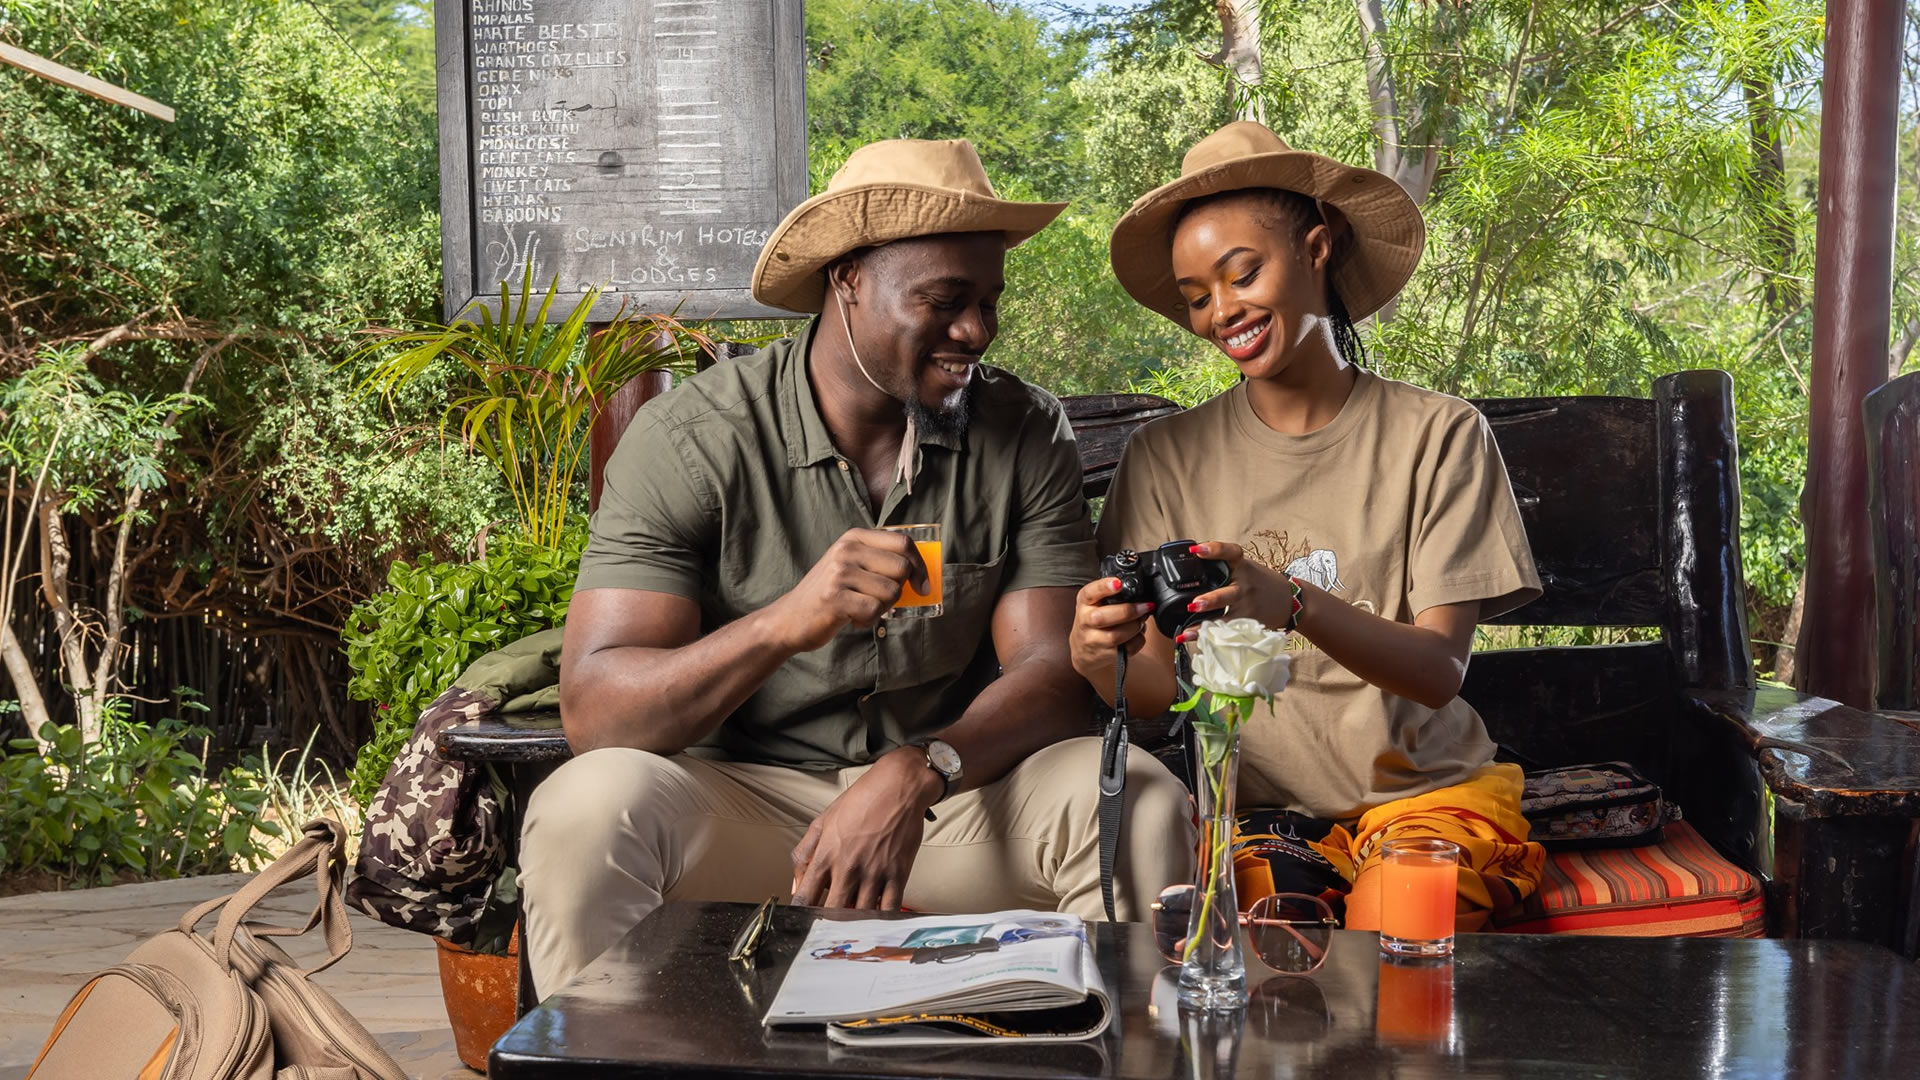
(944, 645)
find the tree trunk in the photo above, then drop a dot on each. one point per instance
(1412, 166)
(69, 628)
(26, 685)
(1771, 220)
(1239, 55)
(1783, 659)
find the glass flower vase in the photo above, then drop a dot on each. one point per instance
(1212, 973)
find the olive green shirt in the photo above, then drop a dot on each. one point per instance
(727, 489)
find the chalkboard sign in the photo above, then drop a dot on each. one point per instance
(643, 146)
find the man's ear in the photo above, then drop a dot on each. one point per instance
(843, 279)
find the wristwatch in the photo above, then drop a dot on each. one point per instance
(943, 759)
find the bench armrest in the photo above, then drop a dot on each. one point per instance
(530, 738)
(1834, 760)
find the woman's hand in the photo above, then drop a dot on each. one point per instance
(1101, 629)
(1255, 593)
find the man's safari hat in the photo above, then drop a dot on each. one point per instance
(1388, 232)
(887, 191)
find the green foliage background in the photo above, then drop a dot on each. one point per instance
(411, 640)
(142, 801)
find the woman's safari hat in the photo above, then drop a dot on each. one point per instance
(886, 191)
(1388, 232)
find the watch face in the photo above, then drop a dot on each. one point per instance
(944, 758)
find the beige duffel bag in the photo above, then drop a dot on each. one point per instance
(233, 1006)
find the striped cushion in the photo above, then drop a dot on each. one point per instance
(1679, 887)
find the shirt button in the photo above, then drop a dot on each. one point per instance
(881, 633)
(843, 465)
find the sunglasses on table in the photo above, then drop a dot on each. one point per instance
(752, 932)
(1289, 932)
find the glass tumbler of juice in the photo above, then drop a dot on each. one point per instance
(1419, 879)
(914, 603)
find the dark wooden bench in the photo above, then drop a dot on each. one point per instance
(1632, 509)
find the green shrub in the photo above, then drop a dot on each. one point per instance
(407, 643)
(139, 800)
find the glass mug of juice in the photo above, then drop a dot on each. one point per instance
(913, 603)
(1419, 879)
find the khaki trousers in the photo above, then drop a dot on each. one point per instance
(614, 832)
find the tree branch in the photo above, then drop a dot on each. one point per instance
(1897, 357)
(26, 685)
(124, 332)
(1386, 107)
(1239, 53)
(114, 601)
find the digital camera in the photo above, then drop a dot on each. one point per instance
(1170, 576)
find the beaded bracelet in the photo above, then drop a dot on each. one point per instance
(1293, 617)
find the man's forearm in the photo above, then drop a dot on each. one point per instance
(665, 700)
(1035, 703)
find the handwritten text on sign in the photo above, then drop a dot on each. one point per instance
(624, 144)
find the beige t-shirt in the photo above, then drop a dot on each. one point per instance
(1400, 504)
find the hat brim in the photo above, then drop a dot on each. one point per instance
(1389, 233)
(791, 271)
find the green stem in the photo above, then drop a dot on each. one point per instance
(1220, 837)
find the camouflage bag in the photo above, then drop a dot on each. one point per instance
(433, 857)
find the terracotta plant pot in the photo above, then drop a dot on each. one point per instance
(479, 991)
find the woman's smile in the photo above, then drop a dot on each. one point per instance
(1246, 339)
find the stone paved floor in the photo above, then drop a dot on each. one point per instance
(50, 942)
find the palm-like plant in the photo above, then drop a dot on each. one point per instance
(532, 390)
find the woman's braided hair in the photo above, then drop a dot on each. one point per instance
(1294, 215)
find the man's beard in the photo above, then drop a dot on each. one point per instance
(945, 421)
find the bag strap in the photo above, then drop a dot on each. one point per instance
(1113, 782)
(321, 852)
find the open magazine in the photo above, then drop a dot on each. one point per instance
(946, 979)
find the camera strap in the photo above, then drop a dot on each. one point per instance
(1113, 781)
(1113, 768)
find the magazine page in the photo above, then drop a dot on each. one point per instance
(943, 963)
(1087, 1018)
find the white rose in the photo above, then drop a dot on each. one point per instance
(1241, 658)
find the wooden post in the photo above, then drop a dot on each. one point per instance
(1852, 296)
(612, 423)
(1893, 497)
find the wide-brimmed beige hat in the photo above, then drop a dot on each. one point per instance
(1388, 232)
(887, 191)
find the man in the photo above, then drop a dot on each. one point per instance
(747, 720)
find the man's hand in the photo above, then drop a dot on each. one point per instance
(854, 583)
(859, 852)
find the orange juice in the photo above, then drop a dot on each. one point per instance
(1416, 1001)
(1417, 899)
(912, 597)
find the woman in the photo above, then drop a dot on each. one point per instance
(1372, 518)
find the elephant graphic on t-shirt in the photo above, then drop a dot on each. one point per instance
(1319, 566)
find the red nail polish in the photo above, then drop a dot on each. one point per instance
(1195, 549)
(1151, 605)
(1115, 582)
(1195, 606)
